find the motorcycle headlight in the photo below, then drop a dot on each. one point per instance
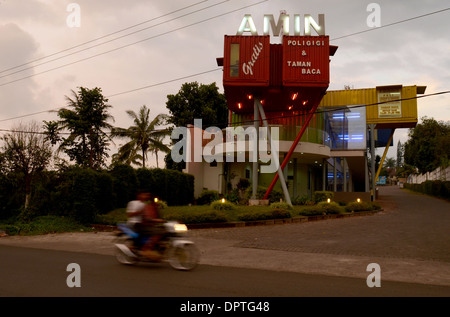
(180, 227)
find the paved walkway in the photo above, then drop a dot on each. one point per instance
(409, 239)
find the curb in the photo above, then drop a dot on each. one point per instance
(297, 219)
(240, 224)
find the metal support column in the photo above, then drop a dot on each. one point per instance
(334, 175)
(372, 158)
(275, 156)
(255, 162)
(344, 169)
(384, 154)
(291, 150)
(324, 174)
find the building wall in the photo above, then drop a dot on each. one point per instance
(214, 179)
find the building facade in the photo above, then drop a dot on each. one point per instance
(314, 140)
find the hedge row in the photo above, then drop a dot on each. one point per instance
(435, 188)
(81, 193)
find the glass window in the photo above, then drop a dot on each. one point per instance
(234, 60)
(346, 128)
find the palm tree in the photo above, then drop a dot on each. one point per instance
(85, 118)
(144, 136)
(154, 149)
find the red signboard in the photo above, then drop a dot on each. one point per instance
(306, 61)
(246, 60)
(292, 76)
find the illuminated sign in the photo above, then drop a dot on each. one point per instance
(246, 60)
(282, 25)
(247, 68)
(390, 105)
(306, 60)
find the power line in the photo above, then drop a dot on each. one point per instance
(109, 41)
(120, 93)
(177, 29)
(130, 44)
(331, 109)
(334, 109)
(391, 24)
(209, 71)
(164, 82)
(101, 37)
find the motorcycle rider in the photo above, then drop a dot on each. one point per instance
(135, 209)
(151, 227)
(143, 217)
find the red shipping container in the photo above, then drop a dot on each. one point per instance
(306, 61)
(246, 60)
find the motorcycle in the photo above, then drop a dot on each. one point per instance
(180, 252)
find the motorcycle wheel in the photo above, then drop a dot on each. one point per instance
(184, 257)
(121, 256)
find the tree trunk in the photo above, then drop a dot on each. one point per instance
(143, 158)
(27, 190)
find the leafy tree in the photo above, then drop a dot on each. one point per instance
(26, 151)
(390, 165)
(85, 119)
(405, 170)
(399, 154)
(198, 101)
(390, 162)
(144, 135)
(428, 146)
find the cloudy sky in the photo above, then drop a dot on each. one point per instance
(139, 51)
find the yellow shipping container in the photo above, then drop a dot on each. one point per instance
(386, 106)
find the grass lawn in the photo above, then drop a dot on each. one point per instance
(196, 214)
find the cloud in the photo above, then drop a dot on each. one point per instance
(18, 47)
(409, 53)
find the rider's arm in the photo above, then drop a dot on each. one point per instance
(134, 209)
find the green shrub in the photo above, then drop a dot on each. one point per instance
(319, 196)
(161, 204)
(226, 205)
(112, 218)
(436, 188)
(329, 207)
(300, 200)
(322, 208)
(43, 225)
(124, 183)
(280, 214)
(312, 211)
(361, 206)
(233, 195)
(254, 215)
(264, 215)
(211, 216)
(206, 197)
(243, 184)
(280, 205)
(274, 196)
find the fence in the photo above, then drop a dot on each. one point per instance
(438, 174)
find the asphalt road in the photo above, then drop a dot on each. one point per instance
(410, 240)
(26, 272)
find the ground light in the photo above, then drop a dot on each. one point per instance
(328, 200)
(223, 200)
(358, 200)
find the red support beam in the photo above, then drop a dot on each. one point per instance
(291, 150)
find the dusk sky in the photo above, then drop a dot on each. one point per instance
(140, 51)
